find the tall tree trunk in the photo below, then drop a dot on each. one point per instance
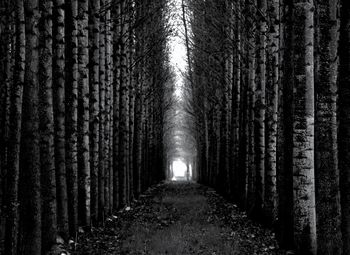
(47, 149)
(131, 73)
(303, 129)
(72, 117)
(30, 218)
(13, 165)
(272, 112)
(326, 168)
(344, 123)
(102, 114)
(124, 108)
(109, 118)
(260, 108)
(251, 106)
(5, 76)
(116, 107)
(236, 101)
(284, 224)
(60, 111)
(94, 107)
(83, 114)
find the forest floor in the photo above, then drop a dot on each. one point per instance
(179, 218)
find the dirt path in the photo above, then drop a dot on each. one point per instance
(179, 219)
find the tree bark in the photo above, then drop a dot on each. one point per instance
(47, 148)
(344, 123)
(327, 171)
(59, 85)
(30, 203)
(260, 109)
(83, 115)
(13, 165)
(303, 129)
(72, 117)
(94, 108)
(272, 112)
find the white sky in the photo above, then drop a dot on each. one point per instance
(178, 49)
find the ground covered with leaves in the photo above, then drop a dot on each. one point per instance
(179, 218)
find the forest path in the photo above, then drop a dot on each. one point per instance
(179, 218)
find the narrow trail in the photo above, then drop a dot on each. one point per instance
(179, 218)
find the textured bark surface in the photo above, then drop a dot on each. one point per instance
(13, 166)
(303, 129)
(344, 123)
(273, 63)
(116, 104)
(260, 108)
(326, 137)
(30, 202)
(94, 106)
(102, 114)
(47, 148)
(123, 108)
(59, 83)
(84, 114)
(251, 106)
(72, 116)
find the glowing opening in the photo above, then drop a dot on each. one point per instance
(179, 168)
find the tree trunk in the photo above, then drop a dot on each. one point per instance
(109, 120)
(116, 107)
(260, 109)
(326, 169)
(83, 115)
(13, 165)
(303, 129)
(72, 117)
(124, 108)
(251, 114)
(30, 204)
(47, 148)
(272, 112)
(94, 107)
(60, 111)
(284, 224)
(102, 115)
(344, 123)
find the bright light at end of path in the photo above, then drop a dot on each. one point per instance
(179, 169)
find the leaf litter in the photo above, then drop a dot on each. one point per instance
(179, 218)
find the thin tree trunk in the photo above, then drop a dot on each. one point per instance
(59, 112)
(251, 106)
(102, 114)
(83, 115)
(272, 112)
(94, 108)
(285, 130)
(116, 108)
(260, 108)
(47, 148)
(124, 109)
(108, 127)
(72, 117)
